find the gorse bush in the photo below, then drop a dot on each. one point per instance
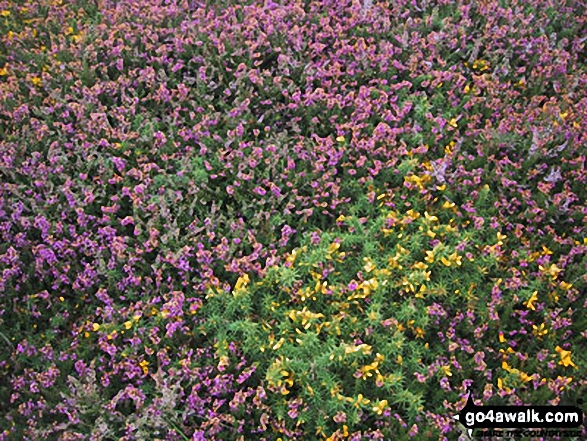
(389, 313)
(294, 220)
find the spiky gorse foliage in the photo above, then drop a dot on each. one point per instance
(295, 220)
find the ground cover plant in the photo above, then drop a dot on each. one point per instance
(283, 220)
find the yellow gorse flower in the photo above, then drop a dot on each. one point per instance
(455, 258)
(333, 247)
(359, 401)
(482, 65)
(429, 257)
(369, 265)
(304, 315)
(566, 286)
(501, 337)
(241, 285)
(446, 205)
(565, 357)
(321, 287)
(412, 215)
(366, 371)
(223, 362)
(277, 345)
(351, 349)
(530, 303)
(565, 380)
(500, 238)
(418, 181)
(420, 266)
(430, 218)
(380, 407)
(553, 271)
(369, 285)
(419, 332)
(523, 376)
(539, 331)
(501, 385)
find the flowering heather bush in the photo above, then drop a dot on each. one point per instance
(288, 220)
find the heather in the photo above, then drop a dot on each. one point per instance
(288, 220)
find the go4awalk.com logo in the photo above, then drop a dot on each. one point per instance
(520, 420)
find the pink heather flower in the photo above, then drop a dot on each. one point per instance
(413, 431)
(202, 73)
(445, 384)
(119, 163)
(127, 220)
(401, 421)
(160, 136)
(177, 66)
(315, 238)
(260, 191)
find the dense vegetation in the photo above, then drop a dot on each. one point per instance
(288, 220)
